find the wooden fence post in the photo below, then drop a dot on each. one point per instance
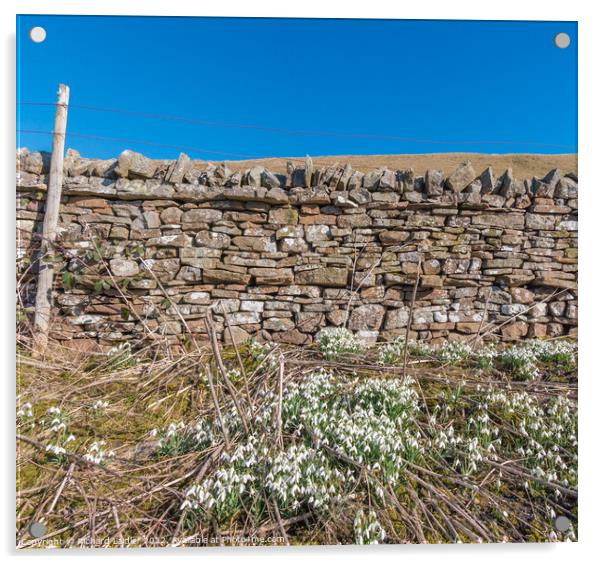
(51, 217)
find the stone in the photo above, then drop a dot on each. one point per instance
(235, 335)
(356, 181)
(164, 269)
(371, 179)
(538, 310)
(406, 179)
(571, 311)
(461, 177)
(393, 279)
(212, 240)
(152, 219)
(284, 216)
(368, 317)
(554, 330)
(431, 266)
(272, 276)
(315, 233)
(431, 281)
(308, 172)
(244, 318)
(218, 276)
(292, 337)
(488, 181)
(119, 232)
(316, 196)
(388, 181)
(513, 309)
(493, 200)
(511, 187)
(325, 276)
(124, 267)
(175, 240)
(290, 231)
(278, 324)
(140, 189)
(537, 330)
(131, 165)
(354, 220)
(522, 295)
(276, 196)
(568, 225)
(293, 245)
(538, 221)
(557, 308)
(257, 244)
(514, 331)
(204, 215)
(253, 176)
(228, 305)
(397, 318)
(176, 170)
(190, 274)
(309, 321)
(87, 319)
(341, 200)
(251, 305)
(197, 298)
(336, 317)
(102, 167)
(566, 188)
(433, 182)
(467, 327)
(360, 196)
(552, 178)
(171, 216)
(507, 220)
(423, 220)
(412, 196)
(554, 280)
(269, 179)
(393, 237)
(367, 338)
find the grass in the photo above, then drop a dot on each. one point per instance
(337, 447)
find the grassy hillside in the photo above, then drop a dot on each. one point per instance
(523, 165)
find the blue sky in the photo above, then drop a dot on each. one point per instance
(383, 86)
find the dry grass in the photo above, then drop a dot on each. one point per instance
(523, 165)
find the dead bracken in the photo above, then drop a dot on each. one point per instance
(337, 444)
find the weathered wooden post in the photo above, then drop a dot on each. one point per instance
(53, 201)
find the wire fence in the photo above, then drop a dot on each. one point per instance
(223, 155)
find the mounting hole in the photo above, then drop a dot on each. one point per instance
(37, 529)
(562, 40)
(562, 524)
(37, 34)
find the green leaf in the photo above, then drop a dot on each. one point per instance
(67, 280)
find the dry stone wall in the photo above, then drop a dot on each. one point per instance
(147, 246)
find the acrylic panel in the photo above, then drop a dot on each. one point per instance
(295, 281)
